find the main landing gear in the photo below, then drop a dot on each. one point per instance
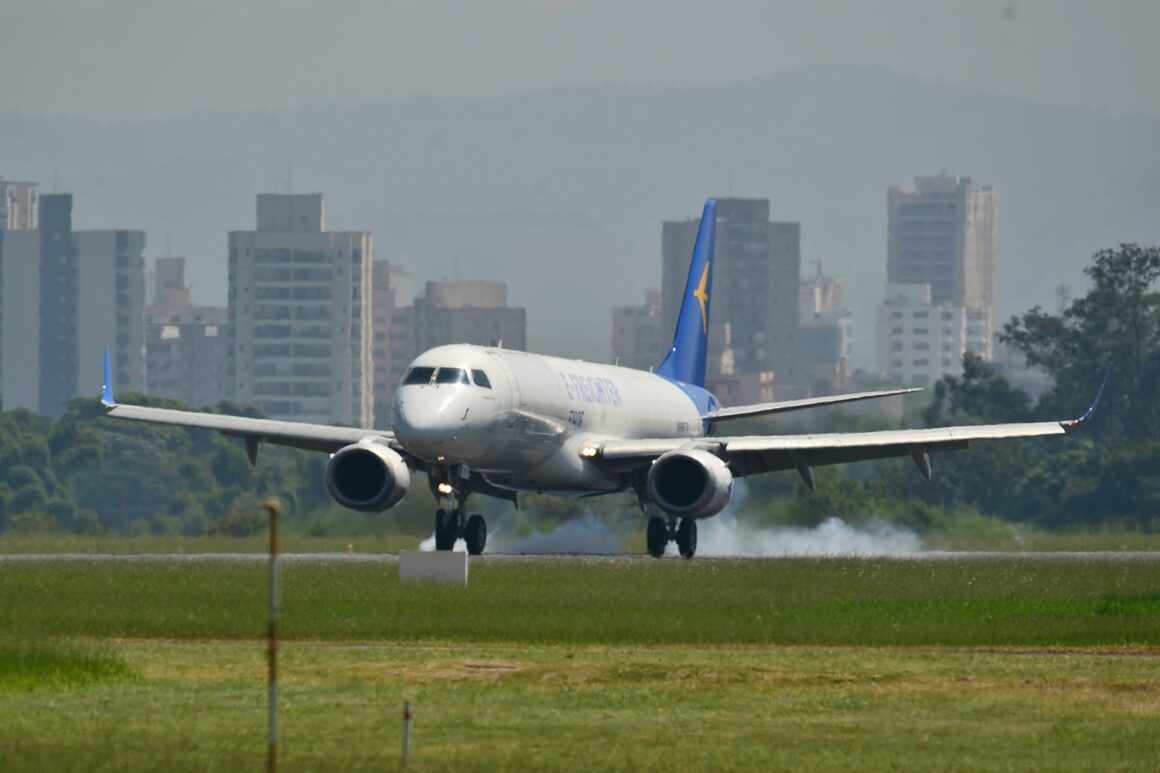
(449, 485)
(660, 532)
(450, 526)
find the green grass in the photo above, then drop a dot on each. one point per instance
(961, 533)
(556, 707)
(1033, 602)
(17, 544)
(29, 665)
(803, 664)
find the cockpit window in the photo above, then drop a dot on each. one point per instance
(419, 375)
(480, 379)
(451, 376)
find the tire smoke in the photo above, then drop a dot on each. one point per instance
(726, 536)
(587, 535)
(722, 536)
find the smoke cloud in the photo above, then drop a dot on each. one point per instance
(722, 536)
(726, 536)
(428, 545)
(587, 535)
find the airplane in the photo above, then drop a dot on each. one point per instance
(496, 422)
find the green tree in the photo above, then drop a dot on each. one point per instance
(1117, 325)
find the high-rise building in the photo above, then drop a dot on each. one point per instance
(18, 206)
(943, 232)
(186, 346)
(383, 311)
(80, 292)
(920, 341)
(757, 268)
(455, 313)
(110, 308)
(57, 304)
(67, 295)
(826, 334)
(638, 335)
(300, 314)
(19, 296)
(171, 294)
(941, 266)
(20, 319)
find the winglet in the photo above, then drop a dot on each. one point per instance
(1073, 423)
(107, 398)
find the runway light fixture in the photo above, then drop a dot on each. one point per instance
(445, 488)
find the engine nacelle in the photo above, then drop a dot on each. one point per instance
(690, 483)
(367, 476)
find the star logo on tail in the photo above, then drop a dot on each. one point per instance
(702, 296)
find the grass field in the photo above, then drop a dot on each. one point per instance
(16, 544)
(837, 664)
(994, 535)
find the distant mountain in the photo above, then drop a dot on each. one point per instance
(562, 192)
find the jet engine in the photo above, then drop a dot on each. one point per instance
(690, 483)
(367, 476)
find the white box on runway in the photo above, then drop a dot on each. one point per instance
(442, 566)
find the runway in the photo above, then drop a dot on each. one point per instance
(1106, 556)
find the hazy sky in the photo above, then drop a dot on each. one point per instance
(154, 57)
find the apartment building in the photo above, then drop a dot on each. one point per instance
(300, 314)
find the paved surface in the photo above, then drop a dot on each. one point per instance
(385, 558)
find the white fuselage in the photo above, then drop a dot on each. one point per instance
(526, 430)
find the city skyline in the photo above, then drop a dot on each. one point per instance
(575, 184)
(753, 341)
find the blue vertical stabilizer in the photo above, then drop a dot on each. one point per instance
(685, 361)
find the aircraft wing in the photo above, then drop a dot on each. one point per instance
(763, 409)
(752, 454)
(313, 437)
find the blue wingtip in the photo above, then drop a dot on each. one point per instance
(1095, 403)
(107, 398)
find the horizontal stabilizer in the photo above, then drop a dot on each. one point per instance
(765, 409)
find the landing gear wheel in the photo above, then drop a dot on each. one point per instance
(475, 534)
(657, 536)
(687, 537)
(446, 529)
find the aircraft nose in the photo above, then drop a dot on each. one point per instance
(422, 411)
(434, 422)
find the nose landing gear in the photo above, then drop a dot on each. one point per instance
(450, 487)
(446, 528)
(660, 532)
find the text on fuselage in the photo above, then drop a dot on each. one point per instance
(591, 389)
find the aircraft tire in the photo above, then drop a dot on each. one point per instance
(444, 530)
(687, 537)
(475, 534)
(657, 536)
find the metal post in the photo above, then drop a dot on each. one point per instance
(273, 507)
(406, 733)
